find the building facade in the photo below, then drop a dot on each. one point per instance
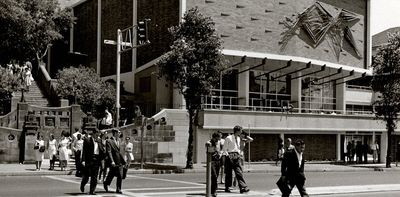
(297, 69)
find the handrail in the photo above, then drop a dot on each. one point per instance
(47, 84)
(8, 119)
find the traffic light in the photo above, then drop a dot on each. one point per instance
(142, 33)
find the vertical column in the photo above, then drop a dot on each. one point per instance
(182, 9)
(71, 35)
(98, 52)
(338, 145)
(76, 119)
(368, 36)
(21, 114)
(383, 148)
(244, 87)
(341, 96)
(295, 92)
(134, 51)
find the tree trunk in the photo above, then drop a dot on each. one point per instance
(390, 127)
(189, 154)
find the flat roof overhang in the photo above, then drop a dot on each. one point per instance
(272, 62)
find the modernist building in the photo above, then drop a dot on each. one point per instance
(297, 69)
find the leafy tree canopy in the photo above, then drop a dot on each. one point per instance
(386, 79)
(386, 82)
(194, 64)
(91, 92)
(27, 27)
(195, 60)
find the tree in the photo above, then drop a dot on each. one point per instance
(386, 83)
(193, 64)
(27, 27)
(83, 86)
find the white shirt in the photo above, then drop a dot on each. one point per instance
(96, 147)
(232, 145)
(374, 147)
(299, 156)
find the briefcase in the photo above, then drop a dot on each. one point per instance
(283, 185)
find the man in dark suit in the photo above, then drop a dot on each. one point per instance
(116, 160)
(292, 170)
(92, 153)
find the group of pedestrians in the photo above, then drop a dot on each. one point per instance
(358, 152)
(100, 153)
(229, 153)
(60, 149)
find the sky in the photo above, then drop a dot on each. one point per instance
(384, 15)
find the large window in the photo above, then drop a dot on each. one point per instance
(317, 97)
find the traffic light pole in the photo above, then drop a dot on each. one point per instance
(117, 104)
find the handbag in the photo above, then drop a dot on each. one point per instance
(36, 147)
(42, 149)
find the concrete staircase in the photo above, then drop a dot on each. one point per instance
(33, 97)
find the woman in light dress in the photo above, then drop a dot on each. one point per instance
(52, 149)
(63, 150)
(39, 156)
(128, 152)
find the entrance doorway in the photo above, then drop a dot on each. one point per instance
(351, 144)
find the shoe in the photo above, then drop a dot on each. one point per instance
(105, 187)
(227, 190)
(245, 190)
(118, 192)
(213, 195)
(92, 193)
(82, 188)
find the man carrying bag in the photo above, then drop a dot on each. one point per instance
(292, 170)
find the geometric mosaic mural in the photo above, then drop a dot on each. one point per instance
(321, 21)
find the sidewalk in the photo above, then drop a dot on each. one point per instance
(268, 167)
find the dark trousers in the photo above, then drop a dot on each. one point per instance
(215, 165)
(78, 163)
(117, 172)
(234, 164)
(300, 186)
(91, 170)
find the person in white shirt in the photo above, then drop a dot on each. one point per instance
(107, 120)
(232, 147)
(77, 146)
(375, 149)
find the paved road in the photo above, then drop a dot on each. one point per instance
(341, 184)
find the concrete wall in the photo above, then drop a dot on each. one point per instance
(256, 25)
(9, 147)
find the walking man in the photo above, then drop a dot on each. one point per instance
(232, 147)
(292, 169)
(117, 161)
(92, 153)
(214, 147)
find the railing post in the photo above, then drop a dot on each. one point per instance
(208, 172)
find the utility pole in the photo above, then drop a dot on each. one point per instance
(125, 42)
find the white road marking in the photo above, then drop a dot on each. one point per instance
(163, 188)
(125, 193)
(167, 180)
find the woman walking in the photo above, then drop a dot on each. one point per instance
(39, 151)
(52, 149)
(63, 150)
